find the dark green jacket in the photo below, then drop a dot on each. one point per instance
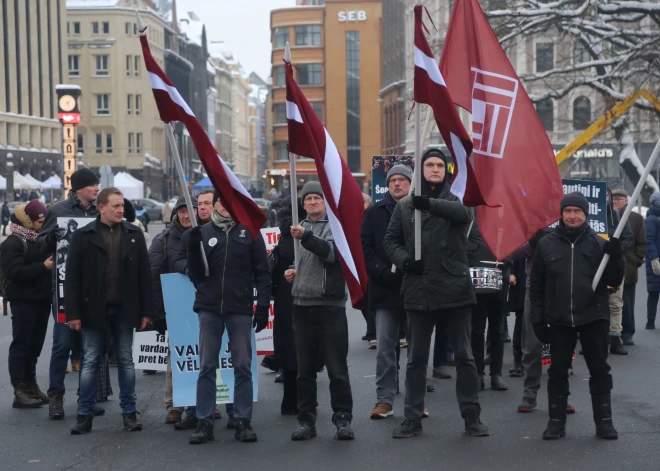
(446, 281)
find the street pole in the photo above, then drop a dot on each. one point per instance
(10, 178)
(418, 179)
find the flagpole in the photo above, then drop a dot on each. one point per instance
(293, 185)
(626, 214)
(418, 179)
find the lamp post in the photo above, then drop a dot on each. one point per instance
(80, 161)
(147, 174)
(10, 178)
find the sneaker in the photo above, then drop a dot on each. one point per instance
(408, 429)
(173, 416)
(244, 432)
(203, 434)
(473, 425)
(382, 411)
(342, 421)
(83, 424)
(231, 423)
(304, 431)
(189, 422)
(56, 407)
(131, 422)
(442, 372)
(372, 345)
(527, 405)
(403, 343)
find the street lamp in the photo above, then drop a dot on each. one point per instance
(80, 161)
(9, 192)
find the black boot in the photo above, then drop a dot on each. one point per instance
(304, 431)
(23, 399)
(556, 428)
(83, 424)
(131, 422)
(407, 429)
(497, 383)
(473, 425)
(517, 370)
(342, 421)
(231, 423)
(189, 422)
(244, 432)
(203, 434)
(56, 407)
(34, 391)
(602, 407)
(616, 347)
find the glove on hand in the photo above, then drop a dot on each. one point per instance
(613, 248)
(260, 320)
(414, 266)
(421, 202)
(655, 265)
(195, 237)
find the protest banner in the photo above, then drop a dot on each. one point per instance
(71, 225)
(151, 351)
(596, 195)
(271, 236)
(183, 325)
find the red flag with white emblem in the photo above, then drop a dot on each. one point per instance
(512, 156)
(343, 199)
(172, 107)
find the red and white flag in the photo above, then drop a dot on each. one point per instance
(430, 89)
(512, 156)
(172, 107)
(343, 199)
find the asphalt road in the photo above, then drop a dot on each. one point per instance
(28, 440)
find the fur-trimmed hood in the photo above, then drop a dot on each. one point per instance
(21, 216)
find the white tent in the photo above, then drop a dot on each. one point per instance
(34, 183)
(131, 187)
(53, 183)
(20, 182)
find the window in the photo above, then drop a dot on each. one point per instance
(546, 112)
(138, 104)
(280, 113)
(99, 143)
(76, 27)
(108, 142)
(138, 142)
(353, 147)
(106, 27)
(135, 31)
(131, 137)
(129, 104)
(581, 113)
(309, 74)
(68, 28)
(95, 27)
(308, 35)
(279, 76)
(102, 64)
(544, 57)
(318, 109)
(129, 66)
(81, 141)
(137, 66)
(128, 29)
(282, 153)
(103, 104)
(580, 53)
(281, 37)
(74, 66)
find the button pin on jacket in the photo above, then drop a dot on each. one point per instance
(212, 242)
(242, 234)
(133, 240)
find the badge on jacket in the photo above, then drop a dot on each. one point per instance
(242, 233)
(212, 242)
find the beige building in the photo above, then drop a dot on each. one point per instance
(120, 124)
(31, 62)
(240, 124)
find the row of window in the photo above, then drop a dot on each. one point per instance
(102, 65)
(103, 28)
(134, 142)
(581, 113)
(133, 104)
(307, 35)
(308, 74)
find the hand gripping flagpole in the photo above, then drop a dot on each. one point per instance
(626, 214)
(293, 185)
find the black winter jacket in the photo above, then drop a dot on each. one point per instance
(384, 288)
(562, 273)
(84, 288)
(237, 263)
(28, 279)
(163, 261)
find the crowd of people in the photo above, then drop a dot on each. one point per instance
(113, 287)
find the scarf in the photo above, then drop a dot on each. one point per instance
(224, 223)
(29, 234)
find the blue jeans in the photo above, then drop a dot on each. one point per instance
(63, 340)
(239, 330)
(388, 324)
(94, 341)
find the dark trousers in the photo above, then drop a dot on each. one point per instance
(420, 329)
(29, 323)
(593, 338)
(322, 332)
(370, 318)
(4, 229)
(489, 307)
(517, 337)
(441, 342)
(628, 310)
(651, 307)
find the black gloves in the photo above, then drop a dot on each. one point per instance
(613, 248)
(388, 278)
(421, 202)
(54, 237)
(542, 332)
(195, 237)
(260, 320)
(414, 266)
(160, 325)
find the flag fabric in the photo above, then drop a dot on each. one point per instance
(343, 199)
(512, 157)
(172, 107)
(430, 89)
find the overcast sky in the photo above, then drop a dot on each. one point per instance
(243, 25)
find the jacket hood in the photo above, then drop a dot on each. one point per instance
(22, 217)
(653, 211)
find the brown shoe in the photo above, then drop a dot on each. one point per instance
(75, 365)
(216, 414)
(381, 411)
(34, 391)
(173, 416)
(22, 400)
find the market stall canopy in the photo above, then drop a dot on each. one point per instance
(131, 187)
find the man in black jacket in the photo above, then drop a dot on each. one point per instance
(384, 288)
(223, 300)
(108, 291)
(564, 266)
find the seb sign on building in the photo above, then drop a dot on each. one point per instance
(351, 16)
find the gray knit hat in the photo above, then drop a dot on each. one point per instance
(311, 188)
(399, 169)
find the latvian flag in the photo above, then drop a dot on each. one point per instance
(430, 89)
(172, 107)
(343, 199)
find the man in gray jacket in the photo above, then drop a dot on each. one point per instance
(320, 327)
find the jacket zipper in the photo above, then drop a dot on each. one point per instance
(572, 259)
(224, 269)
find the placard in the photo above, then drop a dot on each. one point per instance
(151, 351)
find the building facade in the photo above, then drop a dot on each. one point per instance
(33, 63)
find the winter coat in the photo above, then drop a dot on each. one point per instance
(28, 279)
(626, 237)
(652, 247)
(84, 287)
(562, 273)
(383, 293)
(237, 263)
(5, 214)
(285, 346)
(163, 254)
(319, 279)
(516, 301)
(445, 281)
(479, 255)
(635, 256)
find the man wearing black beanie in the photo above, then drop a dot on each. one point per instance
(563, 305)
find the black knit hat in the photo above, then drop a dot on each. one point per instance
(434, 153)
(82, 178)
(577, 200)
